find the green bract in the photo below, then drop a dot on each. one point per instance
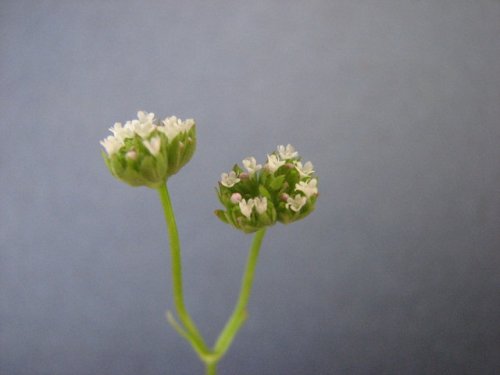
(282, 190)
(145, 152)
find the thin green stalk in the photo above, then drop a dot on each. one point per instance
(239, 314)
(175, 252)
(211, 368)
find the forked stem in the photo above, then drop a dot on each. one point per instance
(188, 330)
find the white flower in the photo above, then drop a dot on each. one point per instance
(145, 117)
(287, 152)
(153, 145)
(144, 129)
(229, 180)
(308, 188)
(251, 165)
(128, 125)
(246, 207)
(274, 162)
(260, 204)
(187, 124)
(306, 170)
(122, 133)
(236, 198)
(172, 126)
(295, 204)
(111, 145)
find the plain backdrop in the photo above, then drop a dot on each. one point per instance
(396, 102)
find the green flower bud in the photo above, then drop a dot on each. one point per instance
(257, 196)
(144, 152)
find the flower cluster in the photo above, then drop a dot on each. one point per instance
(256, 195)
(145, 151)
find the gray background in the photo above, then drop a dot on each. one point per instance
(397, 103)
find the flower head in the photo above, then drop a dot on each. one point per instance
(140, 153)
(256, 197)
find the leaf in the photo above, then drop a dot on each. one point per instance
(148, 169)
(277, 183)
(221, 215)
(237, 169)
(264, 192)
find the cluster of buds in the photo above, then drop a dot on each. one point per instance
(145, 151)
(256, 196)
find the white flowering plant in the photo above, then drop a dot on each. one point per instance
(146, 152)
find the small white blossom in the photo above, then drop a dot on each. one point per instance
(260, 204)
(229, 180)
(308, 188)
(187, 124)
(144, 129)
(235, 198)
(145, 117)
(251, 165)
(247, 207)
(273, 163)
(295, 204)
(306, 170)
(129, 128)
(128, 125)
(153, 145)
(117, 127)
(111, 144)
(287, 152)
(122, 133)
(172, 126)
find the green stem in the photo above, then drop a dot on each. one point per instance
(239, 314)
(175, 252)
(211, 368)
